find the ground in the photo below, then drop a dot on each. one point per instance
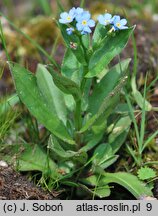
(15, 186)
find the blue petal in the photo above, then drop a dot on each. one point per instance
(83, 16)
(62, 21)
(124, 27)
(91, 23)
(123, 22)
(64, 15)
(101, 19)
(79, 17)
(69, 31)
(116, 19)
(72, 12)
(87, 29)
(86, 15)
(79, 10)
(115, 28)
(79, 26)
(107, 16)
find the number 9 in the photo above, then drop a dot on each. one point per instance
(148, 206)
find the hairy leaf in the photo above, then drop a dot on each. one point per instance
(73, 40)
(65, 84)
(110, 47)
(107, 84)
(30, 95)
(129, 181)
(52, 95)
(106, 107)
(71, 68)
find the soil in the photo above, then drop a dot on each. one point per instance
(15, 186)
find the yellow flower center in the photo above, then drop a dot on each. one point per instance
(118, 24)
(107, 21)
(84, 22)
(68, 18)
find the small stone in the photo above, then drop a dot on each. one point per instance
(3, 164)
(143, 197)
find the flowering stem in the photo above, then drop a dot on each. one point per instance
(78, 121)
(83, 82)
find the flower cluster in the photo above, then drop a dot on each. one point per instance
(82, 21)
(116, 22)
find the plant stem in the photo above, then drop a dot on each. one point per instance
(78, 118)
(83, 82)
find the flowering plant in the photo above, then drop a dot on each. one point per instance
(79, 103)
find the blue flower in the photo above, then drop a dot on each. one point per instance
(119, 23)
(84, 22)
(105, 19)
(70, 30)
(78, 11)
(67, 17)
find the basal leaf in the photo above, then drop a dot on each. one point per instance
(34, 158)
(110, 47)
(121, 125)
(93, 140)
(138, 96)
(119, 141)
(30, 95)
(129, 181)
(139, 99)
(52, 95)
(99, 191)
(54, 145)
(104, 156)
(8, 103)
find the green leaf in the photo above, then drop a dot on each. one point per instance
(110, 47)
(30, 95)
(107, 84)
(65, 84)
(121, 126)
(107, 106)
(119, 141)
(85, 97)
(86, 41)
(122, 108)
(99, 191)
(70, 67)
(138, 96)
(140, 100)
(99, 34)
(33, 158)
(129, 181)
(93, 141)
(104, 156)
(54, 145)
(100, 126)
(53, 96)
(7, 103)
(146, 173)
(73, 39)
